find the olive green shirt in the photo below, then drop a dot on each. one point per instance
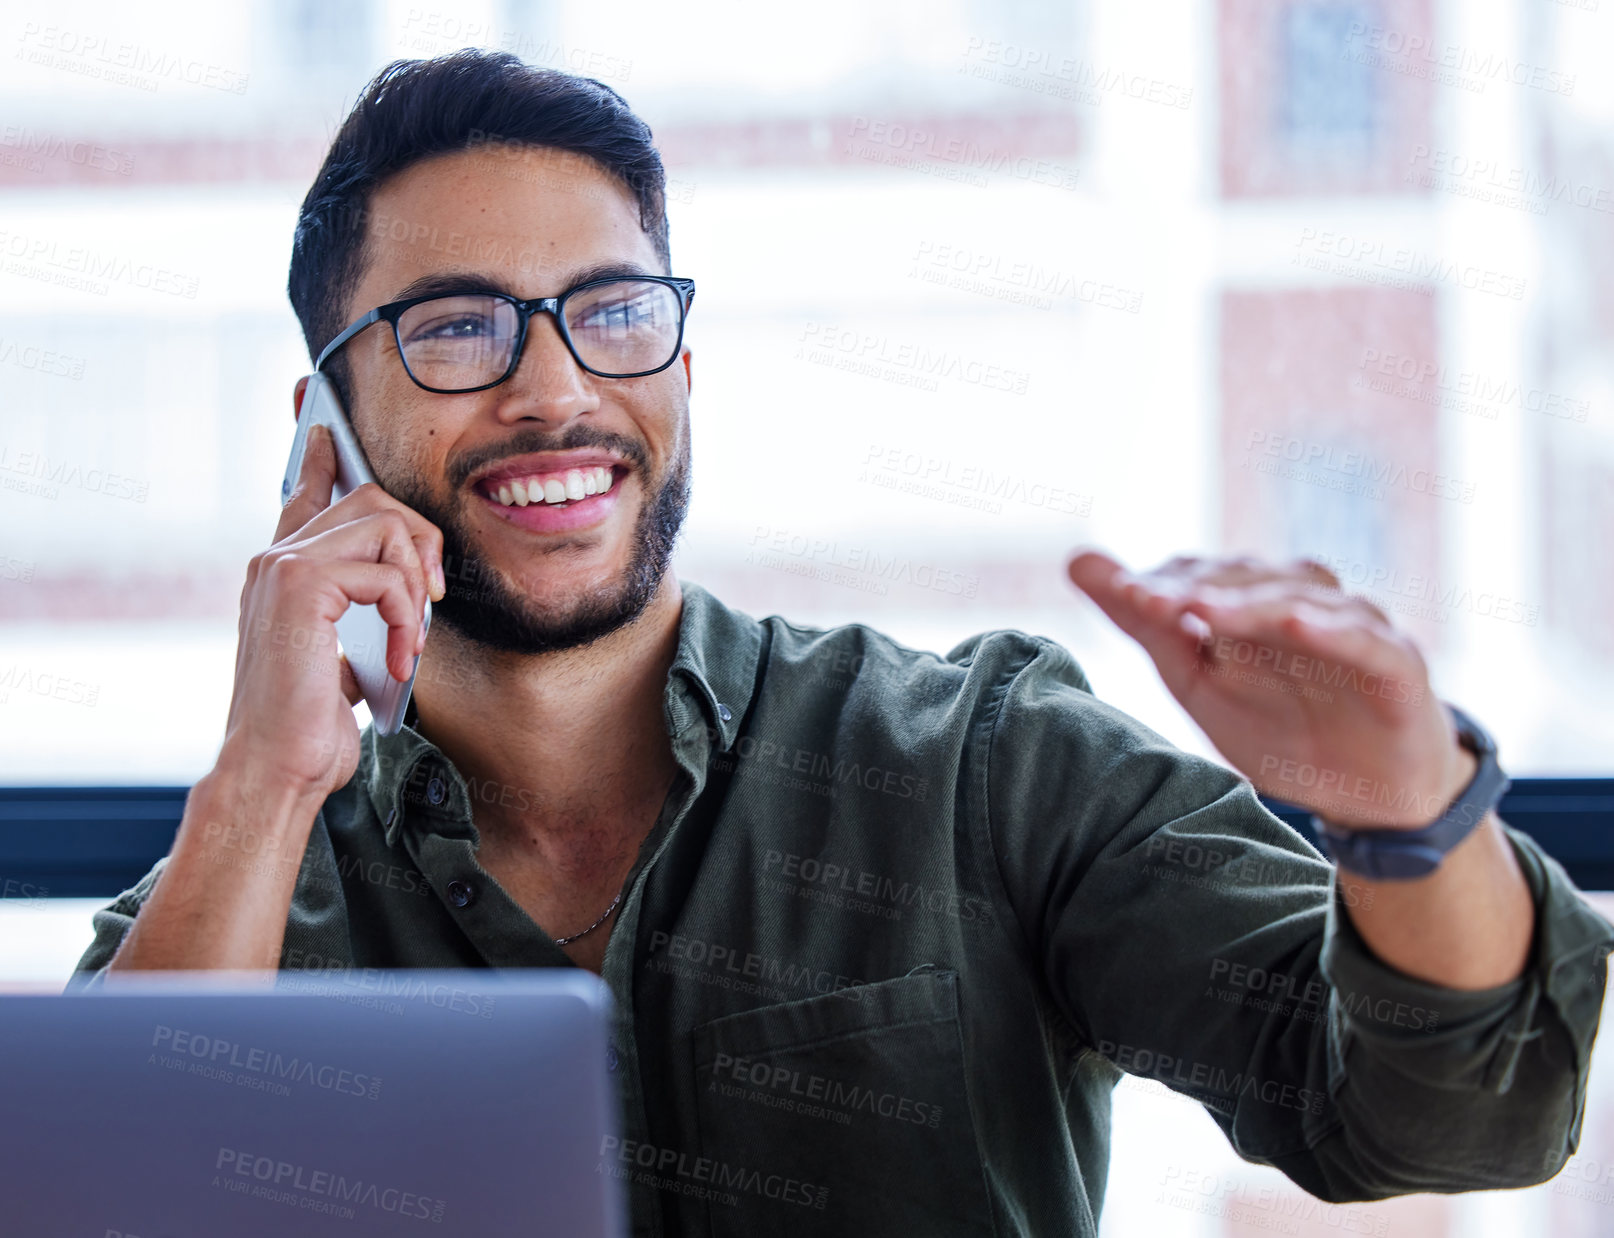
(905, 920)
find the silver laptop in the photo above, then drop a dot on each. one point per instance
(221, 1105)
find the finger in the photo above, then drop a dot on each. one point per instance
(371, 499)
(1149, 612)
(383, 586)
(1103, 579)
(357, 555)
(311, 493)
(385, 535)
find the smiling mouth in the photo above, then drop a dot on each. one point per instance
(553, 489)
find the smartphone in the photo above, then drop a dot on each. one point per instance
(361, 630)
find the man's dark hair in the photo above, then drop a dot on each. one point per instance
(414, 109)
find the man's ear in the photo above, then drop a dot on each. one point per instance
(689, 378)
(297, 395)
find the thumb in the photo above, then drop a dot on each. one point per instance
(316, 477)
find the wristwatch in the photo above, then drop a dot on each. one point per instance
(1400, 855)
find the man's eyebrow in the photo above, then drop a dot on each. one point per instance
(452, 283)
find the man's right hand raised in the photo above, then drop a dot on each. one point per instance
(291, 739)
(291, 717)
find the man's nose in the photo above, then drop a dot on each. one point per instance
(548, 384)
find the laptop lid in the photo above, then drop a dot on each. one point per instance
(200, 1105)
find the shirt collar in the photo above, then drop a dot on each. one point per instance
(715, 665)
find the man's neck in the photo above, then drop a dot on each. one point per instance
(563, 752)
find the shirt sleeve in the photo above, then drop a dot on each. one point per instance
(112, 923)
(1190, 936)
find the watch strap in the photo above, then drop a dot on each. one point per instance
(1401, 855)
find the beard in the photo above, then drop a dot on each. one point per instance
(483, 607)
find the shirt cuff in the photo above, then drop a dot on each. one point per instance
(1473, 1038)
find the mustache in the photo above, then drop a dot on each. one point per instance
(525, 442)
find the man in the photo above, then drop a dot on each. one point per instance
(883, 928)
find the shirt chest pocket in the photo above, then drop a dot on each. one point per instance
(844, 1113)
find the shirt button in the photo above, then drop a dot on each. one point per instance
(724, 712)
(435, 790)
(461, 893)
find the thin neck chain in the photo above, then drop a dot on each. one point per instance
(561, 941)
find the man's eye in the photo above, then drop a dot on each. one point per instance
(459, 327)
(618, 315)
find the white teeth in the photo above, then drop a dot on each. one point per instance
(577, 484)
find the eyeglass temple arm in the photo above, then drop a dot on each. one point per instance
(373, 316)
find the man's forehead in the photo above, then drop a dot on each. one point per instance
(528, 220)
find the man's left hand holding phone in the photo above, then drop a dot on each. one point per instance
(291, 738)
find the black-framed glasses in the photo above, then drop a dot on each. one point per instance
(616, 327)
